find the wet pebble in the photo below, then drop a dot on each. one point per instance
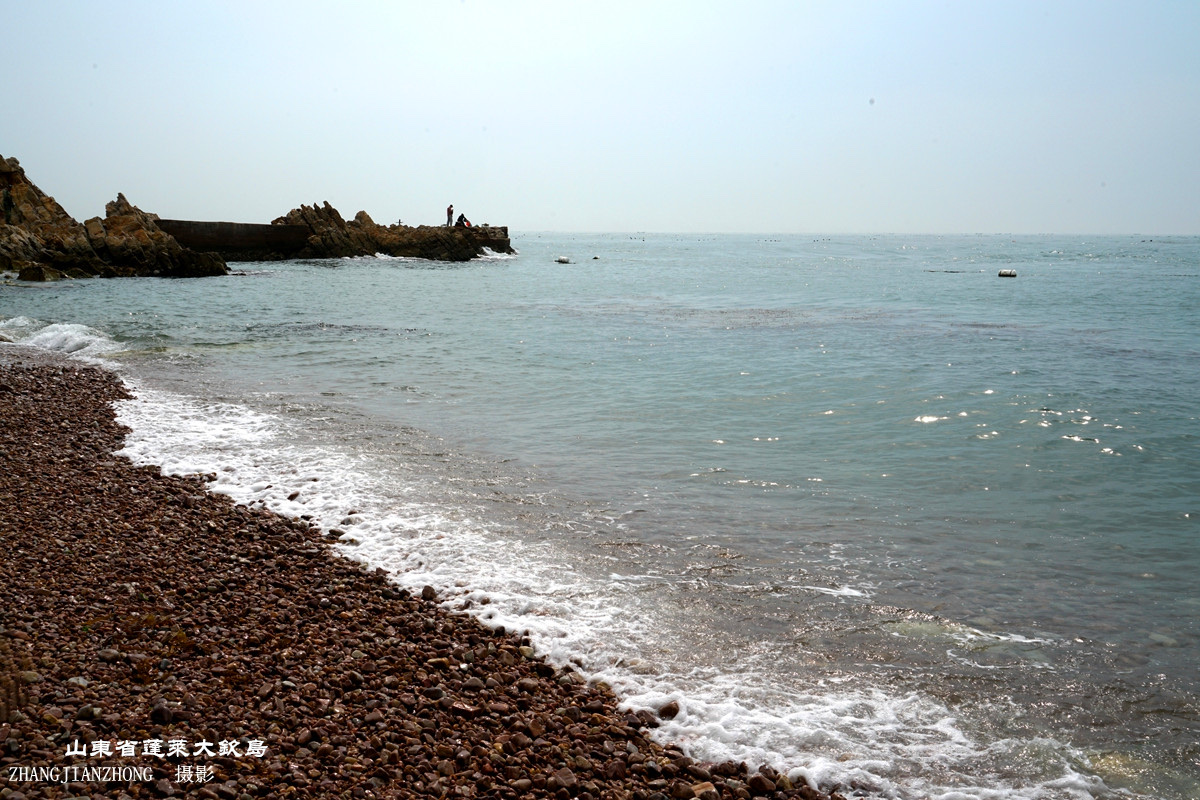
(186, 616)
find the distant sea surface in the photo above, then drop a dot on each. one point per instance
(867, 511)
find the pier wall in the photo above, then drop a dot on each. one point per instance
(237, 238)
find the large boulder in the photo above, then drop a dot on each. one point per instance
(40, 273)
(35, 230)
(41, 241)
(130, 240)
(332, 236)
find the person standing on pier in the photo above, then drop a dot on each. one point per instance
(449, 215)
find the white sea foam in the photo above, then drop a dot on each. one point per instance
(492, 255)
(78, 341)
(380, 257)
(829, 732)
(841, 591)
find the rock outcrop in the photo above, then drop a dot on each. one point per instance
(334, 237)
(130, 240)
(41, 241)
(36, 234)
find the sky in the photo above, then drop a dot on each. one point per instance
(782, 117)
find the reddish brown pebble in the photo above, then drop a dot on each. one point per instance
(240, 625)
(760, 784)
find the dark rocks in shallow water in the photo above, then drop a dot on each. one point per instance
(760, 784)
(40, 273)
(669, 711)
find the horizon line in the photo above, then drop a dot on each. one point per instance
(847, 233)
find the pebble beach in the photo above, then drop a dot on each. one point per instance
(157, 640)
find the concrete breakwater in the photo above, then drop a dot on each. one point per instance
(319, 231)
(238, 241)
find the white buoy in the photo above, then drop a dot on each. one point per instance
(563, 260)
(1007, 273)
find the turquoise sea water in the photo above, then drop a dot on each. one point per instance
(868, 511)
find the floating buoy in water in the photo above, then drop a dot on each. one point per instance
(563, 260)
(1007, 273)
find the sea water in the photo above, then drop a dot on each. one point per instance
(870, 513)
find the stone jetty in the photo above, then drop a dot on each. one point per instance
(41, 242)
(320, 231)
(333, 237)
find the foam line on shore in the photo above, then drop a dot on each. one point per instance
(823, 734)
(212, 622)
(67, 338)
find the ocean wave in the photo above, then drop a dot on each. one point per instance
(491, 255)
(79, 341)
(605, 625)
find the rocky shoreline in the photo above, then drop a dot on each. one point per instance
(137, 609)
(40, 241)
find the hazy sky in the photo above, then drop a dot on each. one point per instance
(813, 117)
